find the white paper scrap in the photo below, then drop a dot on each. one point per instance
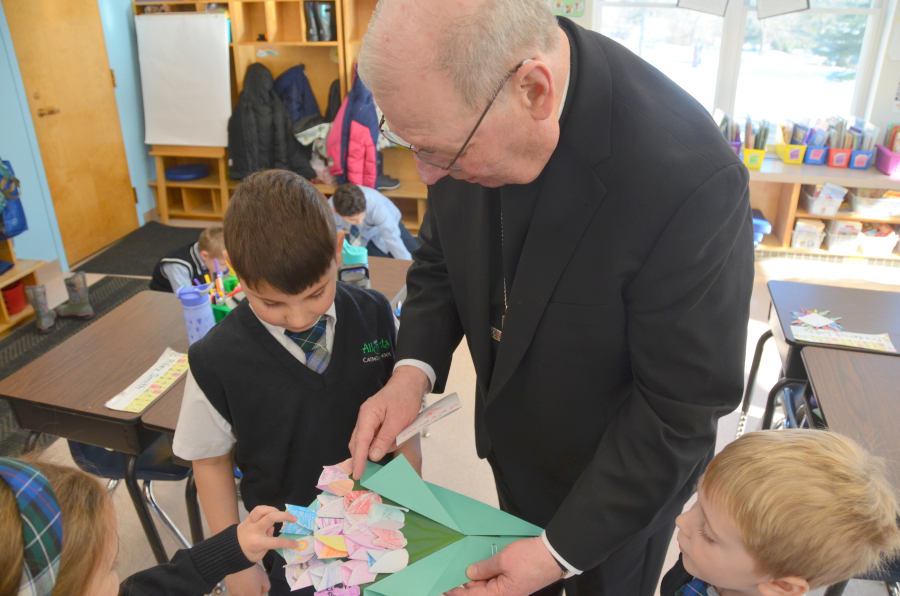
(862, 341)
(153, 383)
(388, 561)
(816, 320)
(430, 415)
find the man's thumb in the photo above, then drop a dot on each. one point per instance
(484, 570)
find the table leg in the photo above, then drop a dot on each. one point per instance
(193, 509)
(780, 386)
(143, 510)
(751, 382)
(836, 589)
(31, 441)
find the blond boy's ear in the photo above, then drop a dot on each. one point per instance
(786, 586)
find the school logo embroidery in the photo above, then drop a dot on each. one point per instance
(374, 351)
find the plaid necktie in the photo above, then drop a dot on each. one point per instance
(312, 342)
(354, 236)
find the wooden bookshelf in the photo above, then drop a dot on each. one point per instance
(24, 271)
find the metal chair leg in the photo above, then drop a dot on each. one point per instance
(143, 511)
(112, 485)
(31, 442)
(193, 509)
(773, 396)
(836, 589)
(893, 588)
(162, 515)
(751, 382)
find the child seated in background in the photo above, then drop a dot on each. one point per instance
(371, 220)
(192, 261)
(779, 513)
(275, 387)
(58, 535)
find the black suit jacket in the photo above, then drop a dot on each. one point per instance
(625, 334)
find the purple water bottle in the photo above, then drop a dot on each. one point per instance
(198, 313)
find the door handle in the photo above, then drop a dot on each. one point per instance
(47, 112)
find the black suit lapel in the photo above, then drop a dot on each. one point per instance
(477, 223)
(569, 197)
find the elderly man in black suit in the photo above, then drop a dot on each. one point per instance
(589, 232)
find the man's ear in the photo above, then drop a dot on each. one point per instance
(786, 586)
(539, 90)
(339, 248)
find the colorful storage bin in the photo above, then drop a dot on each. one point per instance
(860, 160)
(790, 153)
(838, 158)
(887, 161)
(815, 156)
(753, 158)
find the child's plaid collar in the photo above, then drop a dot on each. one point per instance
(697, 587)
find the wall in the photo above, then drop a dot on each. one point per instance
(18, 144)
(121, 47)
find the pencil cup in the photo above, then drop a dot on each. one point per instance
(887, 161)
(753, 158)
(790, 153)
(860, 160)
(736, 145)
(198, 314)
(815, 156)
(838, 158)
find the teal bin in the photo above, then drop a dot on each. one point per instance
(355, 255)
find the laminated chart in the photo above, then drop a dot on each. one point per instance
(153, 383)
(862, 341)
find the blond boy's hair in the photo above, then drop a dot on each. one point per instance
(807, 503)
(212, 240)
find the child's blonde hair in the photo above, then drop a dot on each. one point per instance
(86, 513)
(807, 503)
(212, 240)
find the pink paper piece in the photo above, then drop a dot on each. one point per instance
(351, 591)
(326, 576)
(330, 474)
(362, 540)
(334, 509)
(359, 573)
(360, 554)
(346, 466)
(298, 576)
(330, 530)
(362, 504)
(389, 539)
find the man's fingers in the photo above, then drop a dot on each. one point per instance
(385, 441)
(484, 570)
(366, 426)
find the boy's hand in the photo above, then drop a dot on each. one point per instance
(255, 533)
(385, 414)
(249, 582)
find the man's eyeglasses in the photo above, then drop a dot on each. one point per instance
(430, 158)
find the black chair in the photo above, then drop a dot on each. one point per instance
(890, 576)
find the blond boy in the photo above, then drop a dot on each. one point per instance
(779, 513)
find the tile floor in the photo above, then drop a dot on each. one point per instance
(449, 453)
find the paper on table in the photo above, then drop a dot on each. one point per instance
(153, 383)
(716, 7)
(430, 415)
(876, 343)
(816, 320)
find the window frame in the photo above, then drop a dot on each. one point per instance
(733, 33)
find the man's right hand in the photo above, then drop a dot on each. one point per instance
(385, 414)
(249, 582)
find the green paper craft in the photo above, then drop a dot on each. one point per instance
(482, 527)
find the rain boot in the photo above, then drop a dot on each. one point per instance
(79, 304)
(46, 318)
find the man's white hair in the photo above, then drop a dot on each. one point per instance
(476, 50)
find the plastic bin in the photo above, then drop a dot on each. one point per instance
(875, 208)
(760, 224)
(860, 160)
(822, 206)
(220, 311)
(838, 158)
(815, 156)
(877, 246)
(845, 244)
(887, 161)
(14, 297)
(753, 158)
(807, 240)
(790, 153)
(736, 145)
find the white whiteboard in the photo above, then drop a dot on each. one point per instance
(185, 79)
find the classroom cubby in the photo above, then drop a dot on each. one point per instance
(205, 198)
(24, 271)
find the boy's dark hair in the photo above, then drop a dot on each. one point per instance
(349, 200)
(279, 231)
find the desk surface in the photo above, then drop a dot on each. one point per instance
(862, 311)
(858, 396)
(388, 277)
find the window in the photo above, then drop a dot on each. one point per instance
(809, 64)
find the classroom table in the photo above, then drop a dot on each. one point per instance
(861, 311)
(63, 392)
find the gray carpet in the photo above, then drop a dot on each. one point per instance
(25, 345)
(138, 252)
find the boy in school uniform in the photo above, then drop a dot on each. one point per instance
(276, 386)
(779, 513)
(191, 261)
(370, 219)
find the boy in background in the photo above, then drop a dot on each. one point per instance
(192, 261)
(371, 220)
(779, 513)
(275, 387)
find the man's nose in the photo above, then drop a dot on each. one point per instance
(428, 173)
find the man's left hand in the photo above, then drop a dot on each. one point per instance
(523, 567)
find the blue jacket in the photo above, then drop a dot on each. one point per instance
(381, 225)
(293, 88)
